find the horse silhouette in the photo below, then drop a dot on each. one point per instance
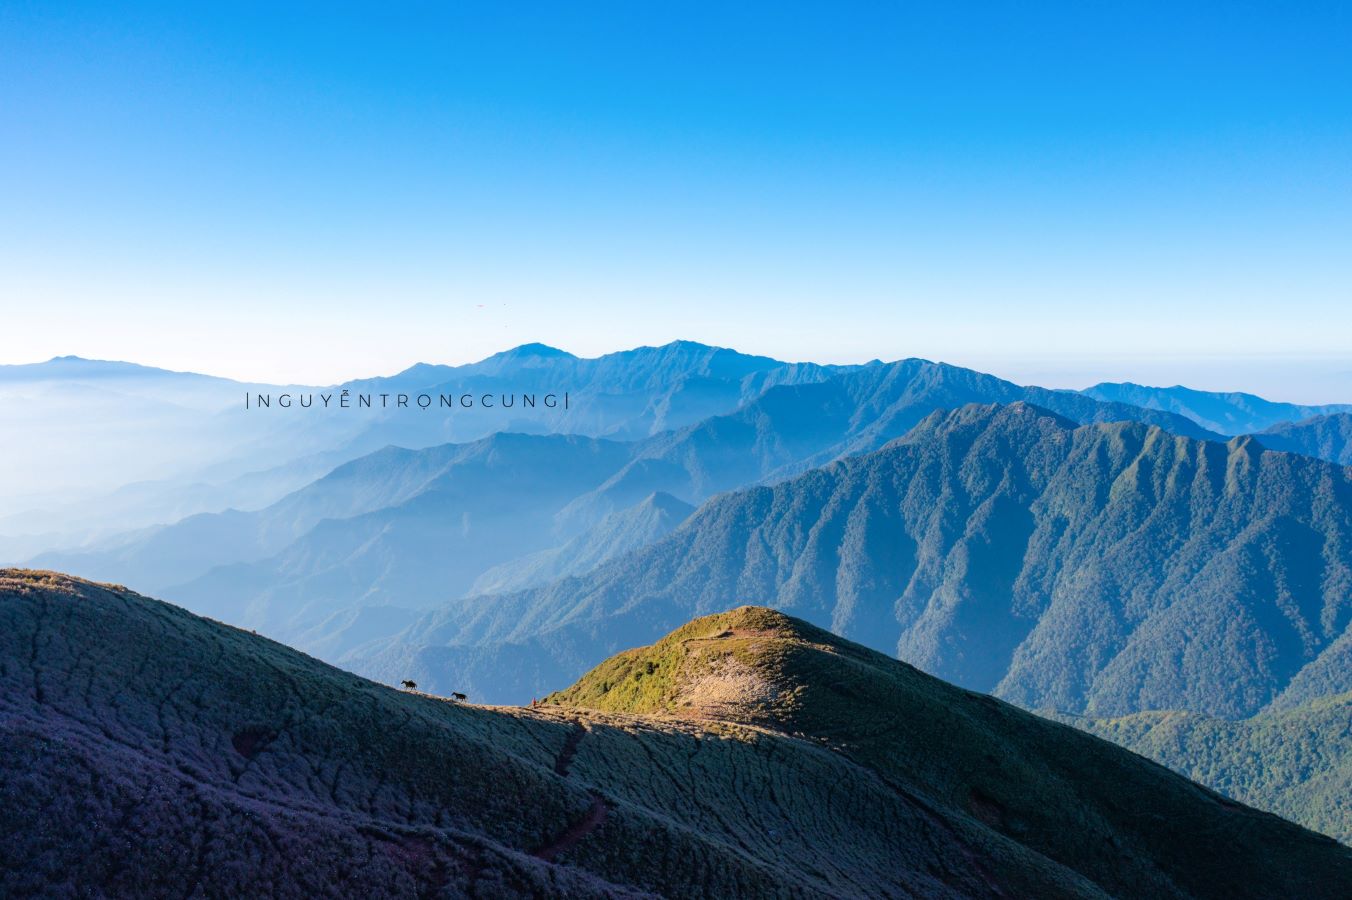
(457, 696)
(410, 685)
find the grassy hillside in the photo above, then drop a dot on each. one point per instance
(1296, 763)
(1023, 776)
(165, 754)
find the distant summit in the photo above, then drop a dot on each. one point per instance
(533, 351)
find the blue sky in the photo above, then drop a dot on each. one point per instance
(319, 192)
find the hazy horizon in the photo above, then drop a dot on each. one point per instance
(237, 191)
(1301, 379)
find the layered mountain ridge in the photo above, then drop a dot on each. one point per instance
(1105, 569)
(191, 446)
(329, 547)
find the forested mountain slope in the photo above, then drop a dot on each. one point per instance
(1296, 762)
(1107, 568)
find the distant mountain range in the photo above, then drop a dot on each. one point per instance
(491, 471)
(146, 751)
(1228, 413)
(96, 426)
(792, 428)
(116, 446)
(784, 430)
(436, 522)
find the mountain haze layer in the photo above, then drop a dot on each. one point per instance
(490, 502)
(191, 445)
(389, 477)
(333, 548)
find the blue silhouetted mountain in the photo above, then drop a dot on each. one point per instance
(80, 370)
(189, 444)
(172, 554)
(176, 443)
(626, 395)
(1107, 568)
(1326, 437)
(1228, 413)
(439, 524)
(791, 428)
(118, 446)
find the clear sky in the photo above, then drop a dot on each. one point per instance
(315, 192)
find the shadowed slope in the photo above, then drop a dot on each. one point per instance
(1128, 824)
(164, 754)
(616, 534)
